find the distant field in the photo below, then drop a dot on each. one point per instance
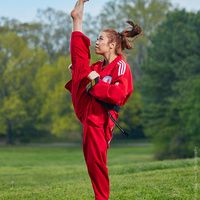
(59, 173)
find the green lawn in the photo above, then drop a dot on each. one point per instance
(58, 173)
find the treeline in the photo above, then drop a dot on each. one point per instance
(171, 86)
(165, 105)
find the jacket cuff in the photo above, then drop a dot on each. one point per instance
(92, 83)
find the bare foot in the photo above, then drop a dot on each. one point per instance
(77, 12)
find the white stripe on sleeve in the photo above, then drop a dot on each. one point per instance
(122, 68)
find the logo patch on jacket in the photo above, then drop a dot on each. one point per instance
(107, 79)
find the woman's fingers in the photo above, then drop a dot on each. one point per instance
(92, 75)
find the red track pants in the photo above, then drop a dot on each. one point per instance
(94, 139)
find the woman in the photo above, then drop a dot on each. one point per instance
(97, 89)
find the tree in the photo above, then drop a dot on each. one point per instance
(33, 81)
(147, 13)
(32, 59)
(13, 117)
(56, 31)
(18, 66)
(50, 33)
(171, 79)
(56, 114)
(131, 115)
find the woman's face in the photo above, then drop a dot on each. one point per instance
(102, 44)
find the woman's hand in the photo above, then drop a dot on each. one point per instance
(92, 75)
(70, 68)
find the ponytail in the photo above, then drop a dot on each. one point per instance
(132, 32)
(125, 38)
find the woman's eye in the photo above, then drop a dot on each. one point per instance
(99, 38)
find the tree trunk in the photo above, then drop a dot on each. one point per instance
(10, 133)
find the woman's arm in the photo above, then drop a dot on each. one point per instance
(116, 93)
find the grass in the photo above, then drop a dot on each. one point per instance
(59, 173)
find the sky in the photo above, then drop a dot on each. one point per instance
(26, 10)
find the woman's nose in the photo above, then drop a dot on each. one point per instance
(97, 42)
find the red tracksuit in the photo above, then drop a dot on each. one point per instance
(114, 87)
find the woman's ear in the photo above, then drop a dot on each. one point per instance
(112, 45)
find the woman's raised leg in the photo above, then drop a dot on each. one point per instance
(77, 15)
(80, 59)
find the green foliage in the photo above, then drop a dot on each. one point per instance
(18, 66)
(56, 113)
(130, 116)
(55, 32)
(12, 114)
(33, 61)
(171, 86)
(32, 96)
(51, 32)
(148, 14)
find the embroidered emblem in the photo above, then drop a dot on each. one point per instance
(107, 79)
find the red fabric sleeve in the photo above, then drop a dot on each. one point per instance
(115, 93)
(80, 55)
(68, 86)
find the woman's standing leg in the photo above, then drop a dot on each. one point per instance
(95, 152)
